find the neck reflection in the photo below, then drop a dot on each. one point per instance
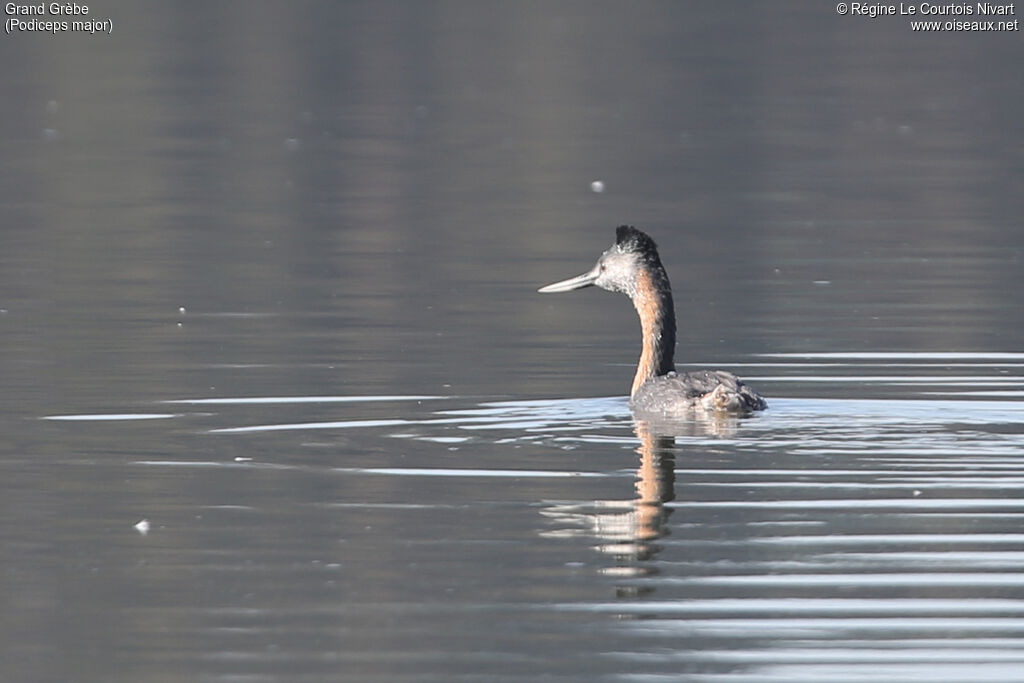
(627, 531)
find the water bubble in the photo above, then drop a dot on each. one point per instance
(597, 186)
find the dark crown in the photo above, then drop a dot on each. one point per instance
(629, 239)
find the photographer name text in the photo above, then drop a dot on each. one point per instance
(927, 16)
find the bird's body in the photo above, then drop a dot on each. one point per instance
(632, 266)
(704, 389)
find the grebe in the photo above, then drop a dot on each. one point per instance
(632, 266)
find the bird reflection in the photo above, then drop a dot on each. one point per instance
(628, 530)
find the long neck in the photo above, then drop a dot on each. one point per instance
(653, 301)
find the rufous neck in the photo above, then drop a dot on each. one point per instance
(652, 299)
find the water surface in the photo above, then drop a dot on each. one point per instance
(281, 402)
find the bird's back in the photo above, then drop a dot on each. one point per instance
(701, 390)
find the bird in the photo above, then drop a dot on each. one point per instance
(631, 266)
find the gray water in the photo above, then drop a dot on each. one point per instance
(281, 403)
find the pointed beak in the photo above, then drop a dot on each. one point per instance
(578, 282)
